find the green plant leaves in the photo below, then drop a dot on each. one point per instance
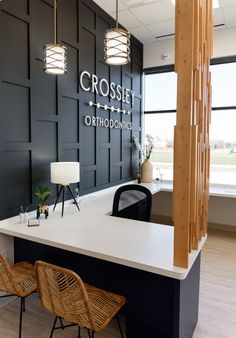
(43, 193)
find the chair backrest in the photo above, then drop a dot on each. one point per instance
(7, 280)
(132, 201)
(63, 293)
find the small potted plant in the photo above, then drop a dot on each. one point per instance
(42, 193)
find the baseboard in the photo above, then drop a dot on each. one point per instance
(161, 219)
(225, 227)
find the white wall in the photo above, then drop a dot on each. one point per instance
(162, 204)
(222, 210)
(153, 53)
(224, 45)
(224, 42)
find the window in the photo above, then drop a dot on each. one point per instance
(160, 119)
(223, 147)
(161, 127)
(223, 124)
(160, 91)
(223, 84)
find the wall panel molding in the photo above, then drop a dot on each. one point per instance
(42, 116)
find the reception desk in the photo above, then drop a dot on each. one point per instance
(126, 256)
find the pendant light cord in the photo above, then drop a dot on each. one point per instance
(116, 13)
(55, 21)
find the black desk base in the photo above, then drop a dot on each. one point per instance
(157, 306)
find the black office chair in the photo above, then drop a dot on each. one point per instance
(132, 201)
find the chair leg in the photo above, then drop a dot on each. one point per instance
(21, 313)
(23, 304)
(92, 335)
(118, 321)
(62, 326)
(79, 336)
(54, 325)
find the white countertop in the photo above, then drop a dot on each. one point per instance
(141, 245)
(217, 190)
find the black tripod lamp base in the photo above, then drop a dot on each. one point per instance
(62, 191)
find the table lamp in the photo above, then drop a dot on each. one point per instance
(65, 173)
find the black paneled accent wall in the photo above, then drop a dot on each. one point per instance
(42, 116)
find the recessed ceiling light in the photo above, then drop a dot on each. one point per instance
(214, 5)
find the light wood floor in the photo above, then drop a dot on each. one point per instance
(217, 312)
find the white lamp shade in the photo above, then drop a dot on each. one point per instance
(55, 59)
(65, 173)
(117, 47)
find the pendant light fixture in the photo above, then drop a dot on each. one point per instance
(55, 55)
(117, 44)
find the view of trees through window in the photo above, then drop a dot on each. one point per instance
(160, 118)
(223, 147)
(161, 127)
(223, 122)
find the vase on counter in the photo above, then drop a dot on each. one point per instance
(147, 171)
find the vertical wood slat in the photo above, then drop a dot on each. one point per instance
(194, 27)
(176, 40)
(194, 191)
(182, 144)
(196, 35)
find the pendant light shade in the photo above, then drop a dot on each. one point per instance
(55, 55)
(117, 44)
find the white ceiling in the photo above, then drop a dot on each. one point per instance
(148, 19)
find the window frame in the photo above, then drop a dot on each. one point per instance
(159, 70)
(170, 68)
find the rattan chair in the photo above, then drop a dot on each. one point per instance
(18, 280)
(62, 292)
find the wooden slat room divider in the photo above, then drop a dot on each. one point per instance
(193, 50)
